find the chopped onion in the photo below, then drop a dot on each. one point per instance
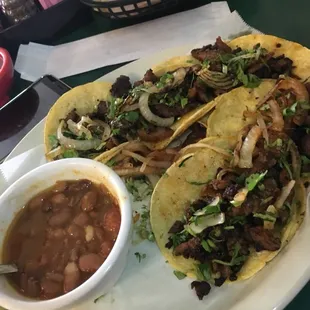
(204, 222)
(268, 224)
(149, 115)
(286, 190)
(261, 123)
(106, 129)
(80, 145)
(276, 114)
(223, 172)
(153, 178)
(135, 171)
(240, 197)
(79, 129)
(54, 153)
(298, 88)
(179, 76)
(246, 151)
(237, 149)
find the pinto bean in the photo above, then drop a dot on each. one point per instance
(56, 277)
(50, 288)
(75, 231)
(74, 255)
(59, 200)
(57, 233)
(60, 218)
(89, 201)
(36, 203)
(82, 219)
(90, 262)
(89, 233)
(30, 286)
(106, 247)
(60, 186)
(112, 221)
(99, 233)
(71, 277)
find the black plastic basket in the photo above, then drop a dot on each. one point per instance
(129, 8)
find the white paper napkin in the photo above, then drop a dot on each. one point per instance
(15, 168)
(117, 46)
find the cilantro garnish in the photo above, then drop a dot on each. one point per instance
(70, 153)
(53, 141)
(111, 162)
(305, 160)
(139, 188)
(235, 260)
(254, 179)
(265, 217)
(98, 298)
(204, 272)
(115, 131)
(140, 256)
(180, 275)
(206, 246)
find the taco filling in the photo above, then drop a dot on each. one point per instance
(243, 210)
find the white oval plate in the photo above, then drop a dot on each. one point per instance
(151, 284)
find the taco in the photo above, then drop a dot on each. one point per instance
(171, 97)
(218, 217)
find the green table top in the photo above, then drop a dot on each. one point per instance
(284, 18)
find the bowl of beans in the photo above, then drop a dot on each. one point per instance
(67, 227)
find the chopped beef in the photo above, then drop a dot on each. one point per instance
(155, 134)
(121, 87)
(191, 209)
(305, 145)
(177, 227)
(215, 66)
(233, 278)
(230, 191)
(202, 288)
(251, 204)
(73, 116)
(284, 177)
(284, 215)
(208, 191)
(280, 65)
(206, 52)
(219, 184)
(169, 244)
(270, 188)
(232, 241)
(264, 238)
(149, 76)
(102, 110)
(111, 143)
(308, 87)
(191, 249)
(198, 132)
(219, 281)
(224, 270)
(164, 110)
(222, 46)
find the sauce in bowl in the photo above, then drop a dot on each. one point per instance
(61, 238)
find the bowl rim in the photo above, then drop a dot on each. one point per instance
(120, 192)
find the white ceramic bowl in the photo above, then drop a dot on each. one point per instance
(19, 193)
